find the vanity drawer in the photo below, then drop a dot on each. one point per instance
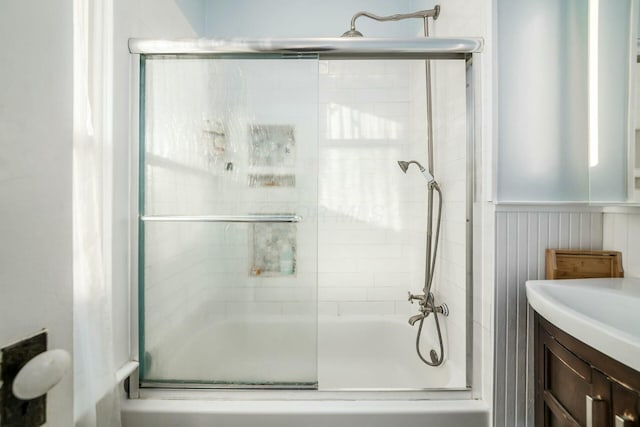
(577, 385)
(566, 380)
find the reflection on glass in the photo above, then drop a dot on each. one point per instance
(273, 249)
(542, 147)
(272, 145)
(609, 48)
(635, 140)
(224, 302)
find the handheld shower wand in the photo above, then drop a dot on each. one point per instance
(405, 165)
(426, 301)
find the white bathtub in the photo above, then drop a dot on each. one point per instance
(358, 354)
(378, 353)
(296, 413)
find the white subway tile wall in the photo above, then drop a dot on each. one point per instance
(372, 228)
(372, 114)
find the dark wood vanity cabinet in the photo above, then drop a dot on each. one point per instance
(577, 385)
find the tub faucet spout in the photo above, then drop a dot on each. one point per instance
(414, 319)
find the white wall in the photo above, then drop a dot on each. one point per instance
(290, 18)
(36, 117)
(621, 230)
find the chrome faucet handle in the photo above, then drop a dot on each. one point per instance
(420, 298)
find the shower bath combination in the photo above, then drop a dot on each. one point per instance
(426, 301)
(204, 226)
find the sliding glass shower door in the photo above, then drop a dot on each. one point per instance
(227, 232)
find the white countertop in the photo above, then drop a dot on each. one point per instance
(603, 313)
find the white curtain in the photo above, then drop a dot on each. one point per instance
(96, 399)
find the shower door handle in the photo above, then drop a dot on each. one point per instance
(223, 218)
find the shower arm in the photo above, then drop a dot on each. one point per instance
(421, 14)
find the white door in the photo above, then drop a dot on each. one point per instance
(36, 125)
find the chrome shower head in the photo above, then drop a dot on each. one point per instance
(405, 165)
(352, 33)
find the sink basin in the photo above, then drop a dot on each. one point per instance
(603, 313)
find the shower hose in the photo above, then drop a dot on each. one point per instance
(436, 359)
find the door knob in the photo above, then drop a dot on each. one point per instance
(41, 374)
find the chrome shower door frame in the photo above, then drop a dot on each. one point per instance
(463, 49)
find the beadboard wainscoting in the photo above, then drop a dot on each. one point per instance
(621, 226)
(522, 235)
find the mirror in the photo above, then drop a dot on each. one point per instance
(634, 142)
(611, 76)
(565, 124)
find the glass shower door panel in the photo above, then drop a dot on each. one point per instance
(228, 234)
(373, 225)
(208, 318)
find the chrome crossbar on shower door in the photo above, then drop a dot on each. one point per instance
(222, 218)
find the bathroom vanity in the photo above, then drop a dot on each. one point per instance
(587, 352)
